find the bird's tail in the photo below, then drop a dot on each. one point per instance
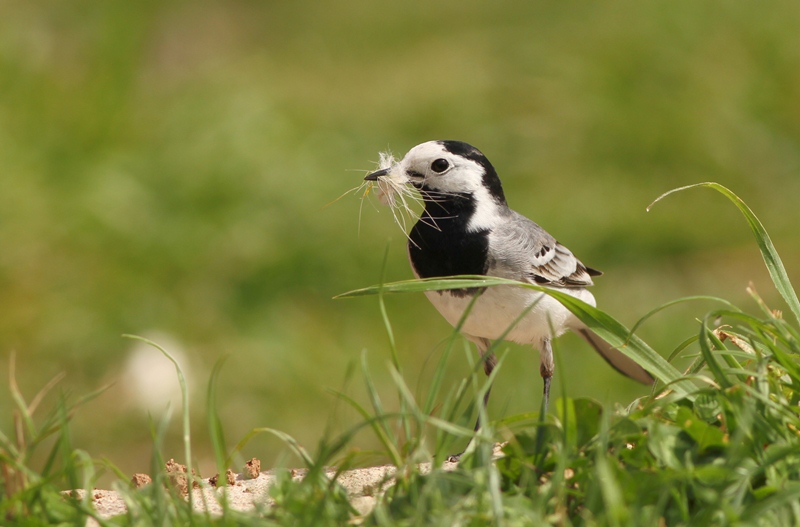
(618, 360)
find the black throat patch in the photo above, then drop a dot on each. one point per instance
(440, 246)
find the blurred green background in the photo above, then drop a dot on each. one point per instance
(167, 169)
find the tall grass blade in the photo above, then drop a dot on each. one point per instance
(598, 321)
(671, 303)
(710, 358)
(215, 429)
(785, 498)
(774, 264)
(187, 440)
(291, 442)
(378, 426)
(377, 405)
(438, 376)
(616, 334)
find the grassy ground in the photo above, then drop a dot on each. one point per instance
(165, 169)
(716, 445)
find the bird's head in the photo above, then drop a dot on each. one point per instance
(445, 169)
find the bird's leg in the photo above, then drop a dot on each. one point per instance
(489, 362)
(546, 367)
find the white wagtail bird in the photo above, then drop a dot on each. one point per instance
(467, 228)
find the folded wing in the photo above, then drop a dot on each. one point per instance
(522, 244)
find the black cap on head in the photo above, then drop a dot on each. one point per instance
(490, 179)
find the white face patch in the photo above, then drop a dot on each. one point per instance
(442, 174)
(463, 176)
(487, 212)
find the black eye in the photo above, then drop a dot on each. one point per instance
(440, 165)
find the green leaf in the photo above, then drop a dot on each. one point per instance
(582, 419)
(664, 443)
(705, 435)
(787, 497)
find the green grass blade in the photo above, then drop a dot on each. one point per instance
(706, 338)
(410, 405)
(610, 489)
(438, 375)
(378, 427)
(290, 441)
(187, 440)
(440, 369)
(456, 430)
(598, 321)
(427, 284)
(375, 398)
(774, 264)
(215, 429)
(23, 409)
(786, 497)
(676, 302)
(385, 315)
(616, 334)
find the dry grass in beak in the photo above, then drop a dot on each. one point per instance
(394, 191)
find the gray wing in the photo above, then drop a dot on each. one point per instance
(522, 244)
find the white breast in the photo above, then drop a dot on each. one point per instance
(498, 307)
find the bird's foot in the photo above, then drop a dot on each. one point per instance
(454, 458)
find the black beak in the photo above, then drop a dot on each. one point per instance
(375, 175)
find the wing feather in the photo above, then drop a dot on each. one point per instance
(522, 244)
